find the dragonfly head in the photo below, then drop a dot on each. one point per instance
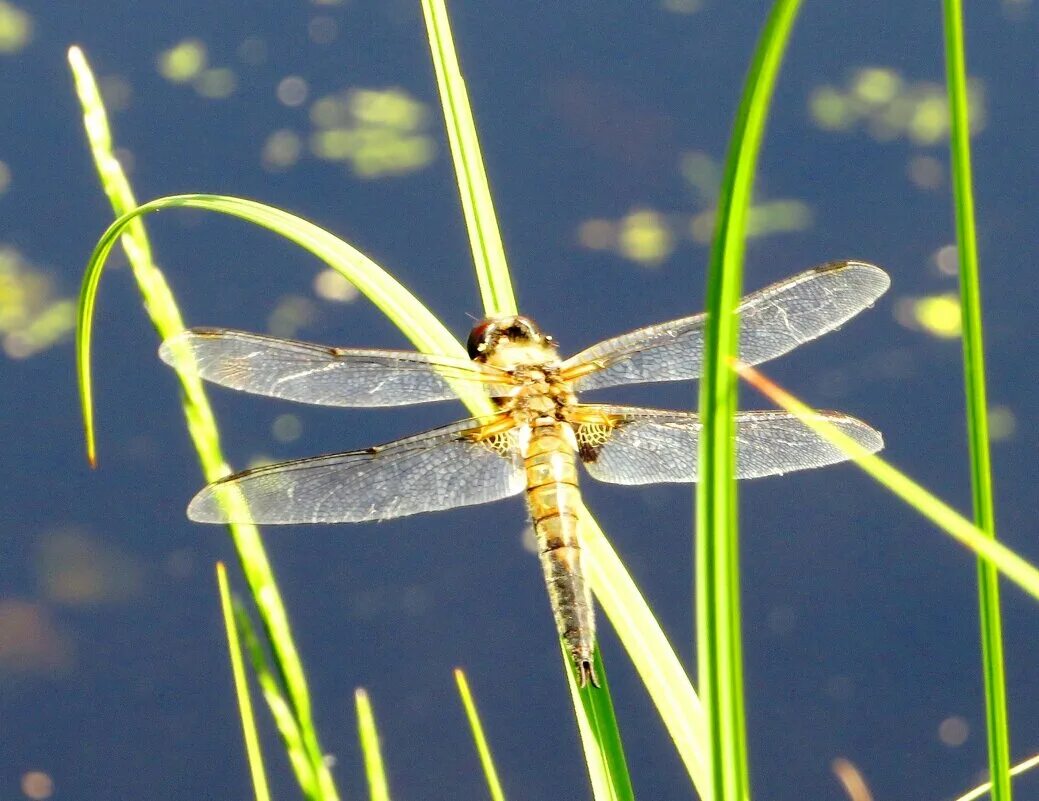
(518, 332)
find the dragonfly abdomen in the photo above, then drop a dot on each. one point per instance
(554, 501)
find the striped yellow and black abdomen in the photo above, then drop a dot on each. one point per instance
(554, 501)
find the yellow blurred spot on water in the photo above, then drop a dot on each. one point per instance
(376, 132)
(31, 317)
(216, 83)
(830, 109)
(953, 731)
(777, 216)
(5, 177)
(37, 785)
(15, 28)
(183, 62)
(876, 85)
(1002, 423)
(890, 107)
(286, 428)
(292, 313)
(29, 640)
(644, 237)
(73, 568)
(281, 150)
(292, 91)
(330, 285)
(938, 315)
(702, 172)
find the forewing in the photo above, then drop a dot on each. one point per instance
(301, 371)
(440, 469)
(648, 446)
(773, 321)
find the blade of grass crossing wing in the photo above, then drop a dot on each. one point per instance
(719, 649)
(165, 316)
(279, 706)
(241, 685)
(937, 511)
(375, 770)
(492, 270)
(993, 668)
(483, 749)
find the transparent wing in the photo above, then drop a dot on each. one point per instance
(773, 320)
(440, 469)
(301, 371)
(648, 446)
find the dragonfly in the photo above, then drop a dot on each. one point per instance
(538, 432)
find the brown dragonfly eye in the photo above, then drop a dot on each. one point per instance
(480, 338)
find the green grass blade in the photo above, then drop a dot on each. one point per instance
(241, 684)
(600, 737)
(1018, 769)
(719, 649)
(977, 407)
(937, 511)
(375, 770)
(483, 749)
(655, 660)
(165, 316)
(492, 271)
(278, 704)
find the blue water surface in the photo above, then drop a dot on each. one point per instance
(598, 123)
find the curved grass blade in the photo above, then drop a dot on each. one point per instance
(937, 511)
(492, 271)
(483, 749)
(719, 649)
(413, 319)
(374, 769)
(241, 684)
(993, 668)
(165, 316)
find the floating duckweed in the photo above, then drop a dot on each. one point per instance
(76, 569)
(926, 172)
(216, 83)
(31, 318)
(116, 92)
(889, 107)
(830, 109)
(183, 62)
(701, 172)
(645, 237)
(5, 177)
(597, 235)
(292, 91)
(682, 6)
(252, 51)
(286, 428)
(376, 132)
(947, 259)
(876, 85)
(938, 315)
(330, 285)
(1002, 423)
(281, 150)
(15, 28)
(290, 314)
